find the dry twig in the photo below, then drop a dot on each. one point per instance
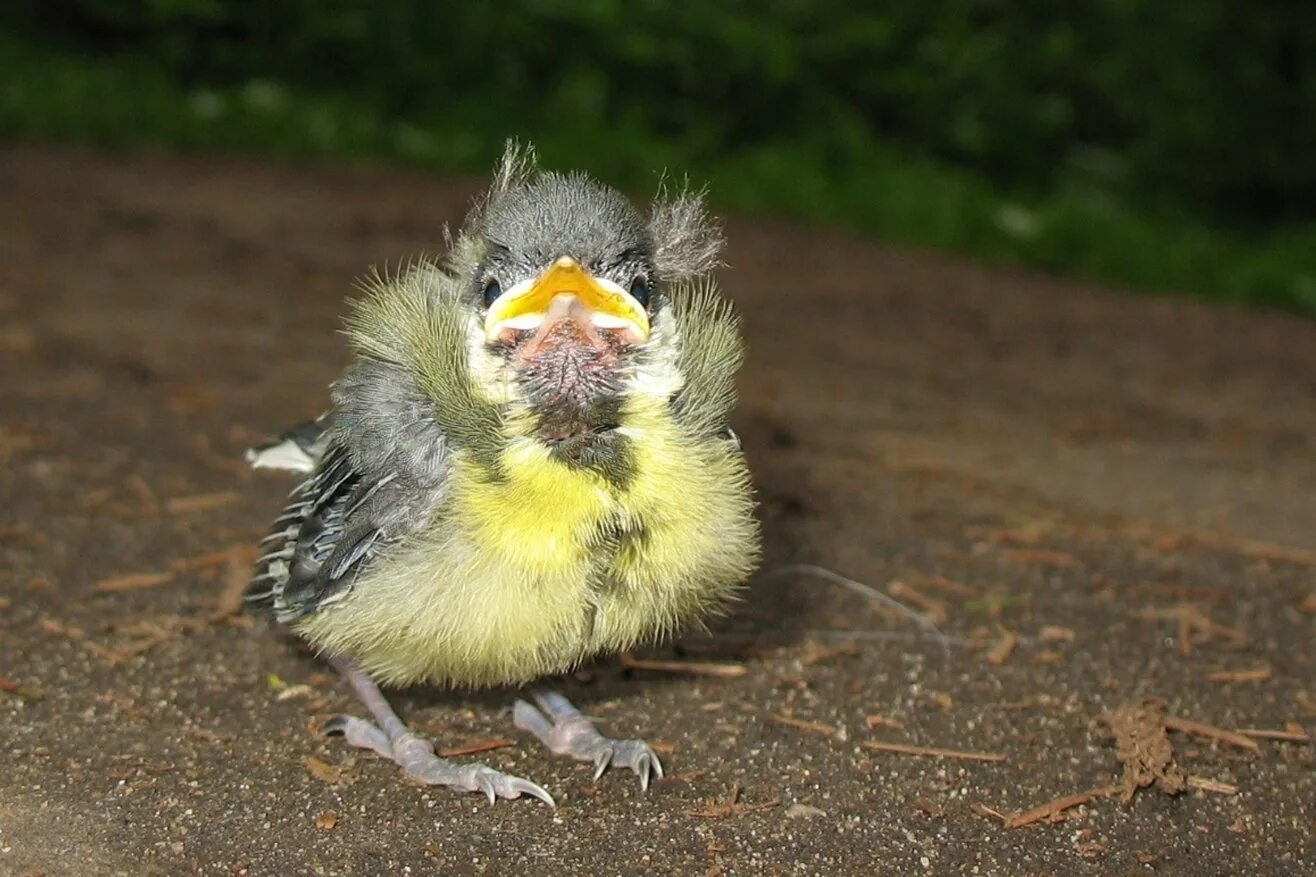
(933, 608)
(1191, 620)
(923, 620)
(1052, 810)
(697, 668)
(202, 502)
(1206, 784)
(930, 751)
(1040, 557)
(1257, 674)
(1292, 733)
(815, 727)
(473, 748)
(949, 586)
(1188, 726)
(134, 581)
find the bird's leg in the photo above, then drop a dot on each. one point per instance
(389, 737)
(566, 731)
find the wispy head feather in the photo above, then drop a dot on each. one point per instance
(687, 240)
(516, 167)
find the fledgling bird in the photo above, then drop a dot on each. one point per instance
(528, 464)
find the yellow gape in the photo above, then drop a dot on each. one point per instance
(524, 305)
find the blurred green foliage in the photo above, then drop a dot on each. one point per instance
(1170, 145)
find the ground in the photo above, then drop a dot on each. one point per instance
(1092, 499)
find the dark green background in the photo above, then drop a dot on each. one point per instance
(1167, 145)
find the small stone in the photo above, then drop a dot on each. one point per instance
(803, 811)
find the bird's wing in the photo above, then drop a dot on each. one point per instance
(296, 450)
(380, 465)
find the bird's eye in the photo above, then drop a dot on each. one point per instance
(640, 291)
(492, 290)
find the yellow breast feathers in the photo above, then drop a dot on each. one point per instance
(533, 569)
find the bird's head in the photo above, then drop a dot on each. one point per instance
(560, 315)
(572, 287)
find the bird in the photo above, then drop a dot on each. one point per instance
(528, 464)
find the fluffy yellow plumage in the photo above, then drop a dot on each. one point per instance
(528, 464)
(530, 564)
(502, 589)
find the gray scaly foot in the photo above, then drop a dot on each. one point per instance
(415, 755)
(566, 731)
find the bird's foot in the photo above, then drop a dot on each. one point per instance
(566, 731)
(416, 756)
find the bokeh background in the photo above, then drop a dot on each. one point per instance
(1163, 146)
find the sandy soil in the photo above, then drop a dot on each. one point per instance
(1102, 498)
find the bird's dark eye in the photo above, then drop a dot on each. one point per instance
(492, 290)
(640, 291)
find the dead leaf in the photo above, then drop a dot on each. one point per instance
(323, 771)
(26, 692)
(293, 691)
(1143, 746)
(733, 806)
(1000, 653)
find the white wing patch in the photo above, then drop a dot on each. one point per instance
(286, 455)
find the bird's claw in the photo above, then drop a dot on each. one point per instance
(416, 756)
(635, 755)
(495, 784)
(565, 731)
(358, 733)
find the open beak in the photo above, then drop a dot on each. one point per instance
(526, 305)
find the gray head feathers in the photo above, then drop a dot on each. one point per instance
(419, 333)
(541, 214)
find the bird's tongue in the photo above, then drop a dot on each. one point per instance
(568, 324)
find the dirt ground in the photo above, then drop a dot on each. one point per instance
(1099, 498)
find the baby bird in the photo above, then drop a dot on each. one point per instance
(528, 464)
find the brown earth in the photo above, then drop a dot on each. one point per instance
(1109, 498)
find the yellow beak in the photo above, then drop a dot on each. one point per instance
(525, 307)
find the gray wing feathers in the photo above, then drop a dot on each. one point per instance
(380, 471)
